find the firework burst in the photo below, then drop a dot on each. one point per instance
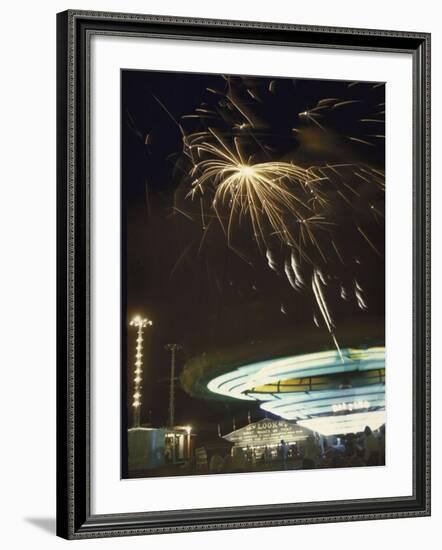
(293, 211)
(272, 195)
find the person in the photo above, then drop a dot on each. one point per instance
(312, 453)
(227, 463)
(267, 454)
(350, 447)
(284, 451)
(168, 452)
(382, 445)
(339, 447)
(249, 454)
(371, 447)
(238, 459)
(216, 464)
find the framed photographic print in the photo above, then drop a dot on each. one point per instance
(243, 274)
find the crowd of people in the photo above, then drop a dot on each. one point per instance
(363, 449)
(350, 450)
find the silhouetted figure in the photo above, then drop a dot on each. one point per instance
(371, 447)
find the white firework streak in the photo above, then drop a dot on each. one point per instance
(317, 280)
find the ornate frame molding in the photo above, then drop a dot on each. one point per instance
(74, 29)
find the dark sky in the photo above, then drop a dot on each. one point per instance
(201, 293)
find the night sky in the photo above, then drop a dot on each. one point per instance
(200, 292)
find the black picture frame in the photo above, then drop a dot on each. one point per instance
(74, 518)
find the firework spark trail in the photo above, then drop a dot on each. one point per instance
(203, 238)
(359, 296)
(202, 213)
(368, 240)
(312, 116)
(337, 252)
(317, 281)
(347, 102)
(343, 293)
(296, 270)
(239, 109)
(316, 286)
(351, 138)
(360, 299)
(291, 276)
(183, 213)
(180, 259)
(271, 261)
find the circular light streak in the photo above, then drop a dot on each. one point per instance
(268, 380)
(326, 392)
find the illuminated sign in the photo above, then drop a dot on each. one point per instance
(266, 433)
(340, 407)
(324, 403)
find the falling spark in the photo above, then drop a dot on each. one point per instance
(359, 297)
(327, 100)
(343, 294)
(337, 251)
(360, 141)
(180, 259)
(294, 264)
(239, 109)
(371, 120)
(272, 263)
(309, 115)
(291, 275)
(202, 213)
(214, 91)
(342, 103)
(253, 95)
(368, 240)
(185, 214)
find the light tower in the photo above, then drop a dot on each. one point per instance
(173, 348)
(140, 323)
